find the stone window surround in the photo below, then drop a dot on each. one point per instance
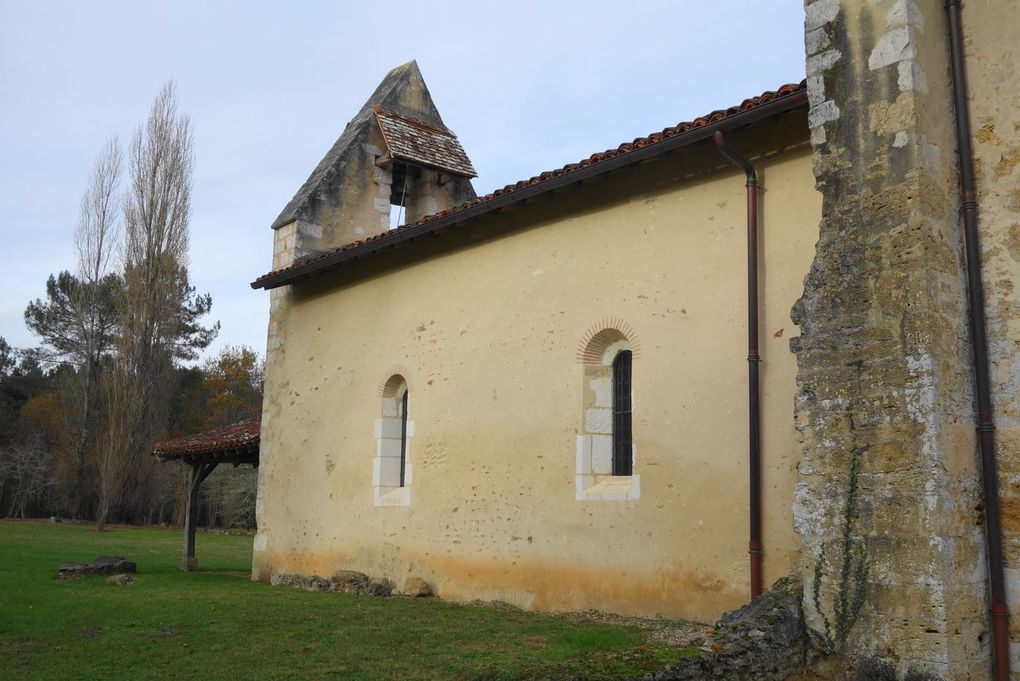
(594, 456)
(386, 464)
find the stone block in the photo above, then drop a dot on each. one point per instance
(904, 13)
(385, 472)
(603, 389)
(390, 428)
(583, 483)
(817, 40)
(819, 13)
(598, 421)
(895, 46)
(823, 61)
(583, 456)
(911, 77)
(388, 448)
(635, 487)
(823, 113)
(392, 496)
(602, 454)
(261, 540)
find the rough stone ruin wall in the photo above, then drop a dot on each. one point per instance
(883, 356)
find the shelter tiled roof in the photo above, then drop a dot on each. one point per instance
(419, 143)
(238, 437)
(767, 102)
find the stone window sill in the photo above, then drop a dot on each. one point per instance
(393, 496)
(608, 487)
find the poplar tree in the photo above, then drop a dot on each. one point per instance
(158, 310)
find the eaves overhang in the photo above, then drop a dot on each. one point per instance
(771, 104)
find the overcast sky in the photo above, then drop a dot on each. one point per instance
(527, 86)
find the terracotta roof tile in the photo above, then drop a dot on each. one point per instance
(235, 436)
(598, 157)
(419, 143)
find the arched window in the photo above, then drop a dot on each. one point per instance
(605, 446)
(623, 457)
(394, 431)
(403, 437)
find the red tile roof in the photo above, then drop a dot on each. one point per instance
(238, 437)
(421, 144)
(795, 93)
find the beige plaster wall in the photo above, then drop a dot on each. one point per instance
(487, 337)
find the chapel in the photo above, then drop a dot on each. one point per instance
(538, 395)
(776, 340)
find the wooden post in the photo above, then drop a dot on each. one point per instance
(196, 474)
(189, 564)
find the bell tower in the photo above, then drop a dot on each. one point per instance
(394, 163)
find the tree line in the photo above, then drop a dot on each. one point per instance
(120, 334)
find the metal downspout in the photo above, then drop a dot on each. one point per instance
(755, 548)
(979, 342)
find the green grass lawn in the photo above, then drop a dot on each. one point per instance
(217, 625)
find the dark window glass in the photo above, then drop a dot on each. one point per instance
(403, 436)
(623, 459)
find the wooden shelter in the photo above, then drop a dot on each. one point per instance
(235, 444)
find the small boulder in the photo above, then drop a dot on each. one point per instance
(287, 579)
(349, 581)
(120, 580)
(103, 565)
(418, 588)
(381, 587)
(315, 583)
(72, 571)
(109, 565)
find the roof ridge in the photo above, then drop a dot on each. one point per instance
(377, 110)
(598, 157)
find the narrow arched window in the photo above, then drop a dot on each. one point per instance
(403, 437)
(606, 456)
(623, 459)
(393, 465)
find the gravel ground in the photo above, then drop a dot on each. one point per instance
(670, 632)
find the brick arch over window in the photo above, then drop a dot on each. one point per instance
(394, 431)
(395, 374)
(603, 335)
(605, 457)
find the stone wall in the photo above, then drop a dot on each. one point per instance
(883, 356)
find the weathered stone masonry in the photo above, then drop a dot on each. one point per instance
(883, 356)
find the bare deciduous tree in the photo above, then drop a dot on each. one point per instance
(95, 240)
(26, 469)
(77, 319)
(157, 306)
(96, 234)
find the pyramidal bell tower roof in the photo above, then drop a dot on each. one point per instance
(411, 126)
